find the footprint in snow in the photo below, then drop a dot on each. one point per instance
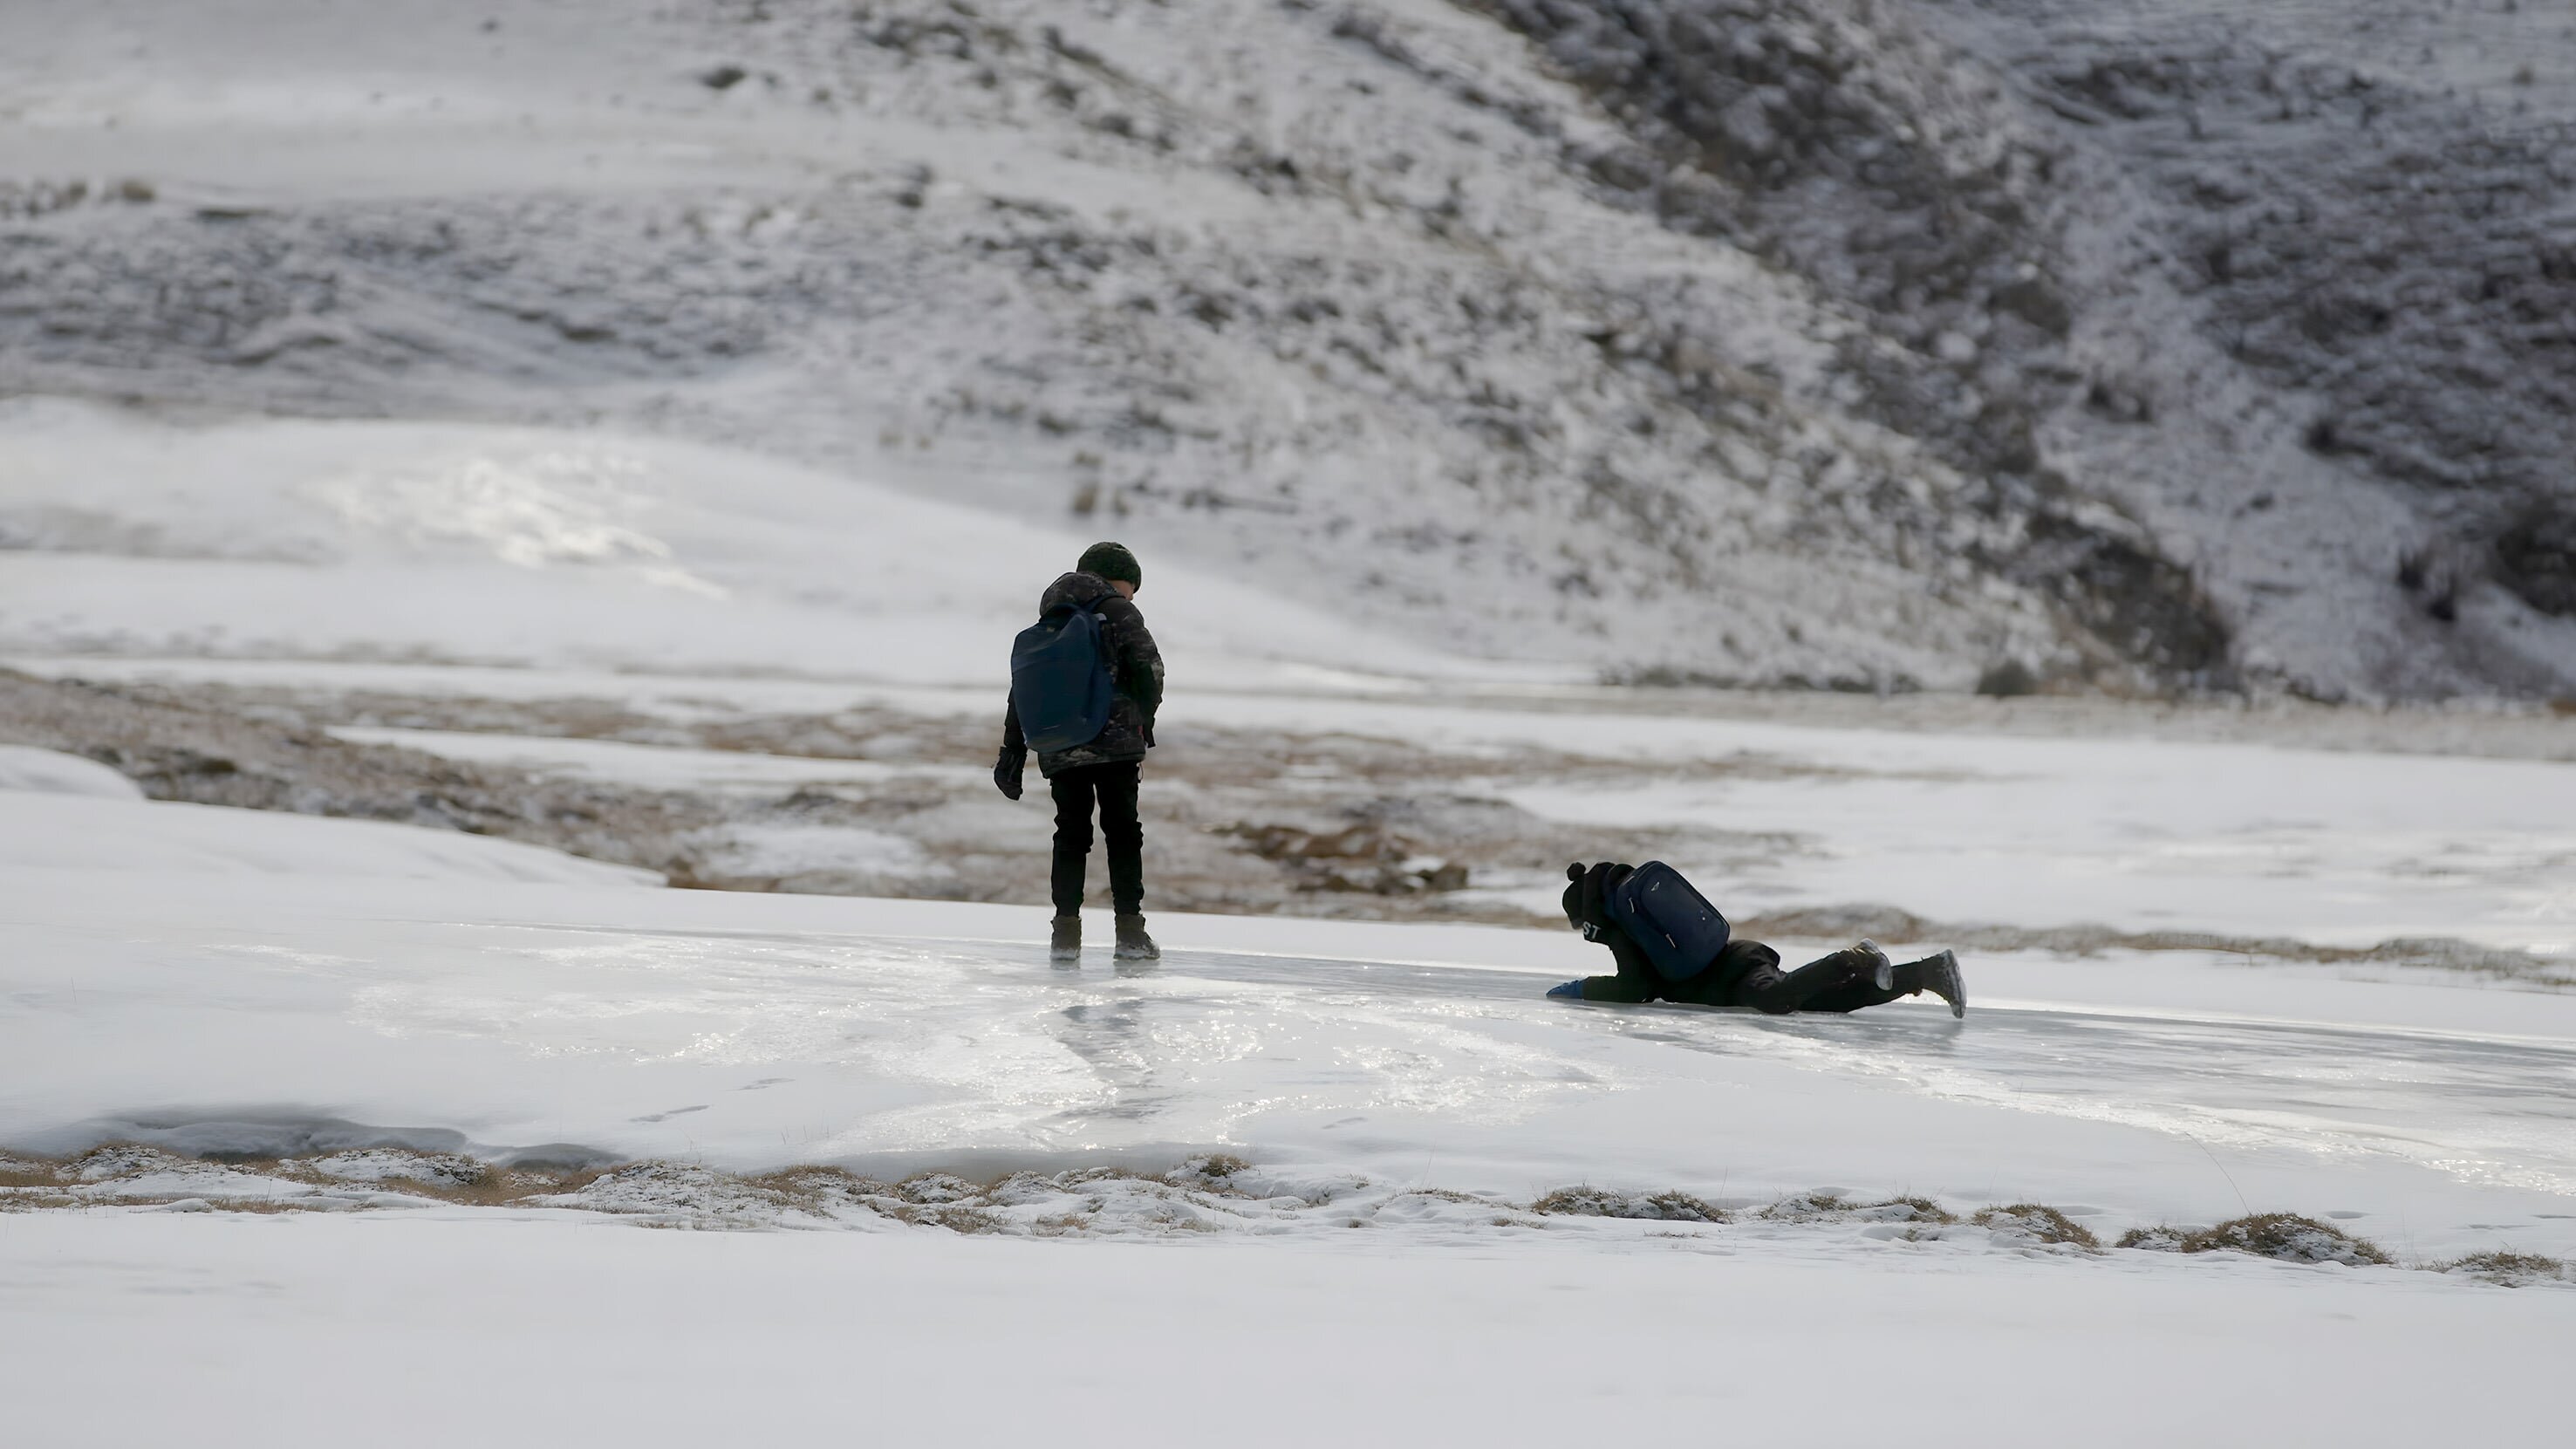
(666, 1116)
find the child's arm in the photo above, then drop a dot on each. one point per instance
(1014, 759)
(1587, 899)
(1637, 979)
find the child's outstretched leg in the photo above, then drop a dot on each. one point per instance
(1938, 974)
(1860, 975)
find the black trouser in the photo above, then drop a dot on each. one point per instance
(1839, 982)
(1114, 787)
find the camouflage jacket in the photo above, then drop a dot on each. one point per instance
(1135, 668)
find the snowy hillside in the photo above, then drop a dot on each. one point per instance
(437, 541)
(1785, 343)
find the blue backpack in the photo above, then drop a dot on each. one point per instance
(1669, 919)
(1060, 680)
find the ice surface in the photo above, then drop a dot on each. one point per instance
(1428, 1313)
(472, 993)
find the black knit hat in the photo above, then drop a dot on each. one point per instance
(1112, 561)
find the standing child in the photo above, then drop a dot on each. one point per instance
(1102, 770)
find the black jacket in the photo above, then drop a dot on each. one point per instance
(1135, 668)
(1638, 980)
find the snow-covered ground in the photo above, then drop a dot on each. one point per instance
(267, 1330)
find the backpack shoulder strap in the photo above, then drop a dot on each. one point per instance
(1111, 645)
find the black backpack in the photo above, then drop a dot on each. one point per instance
(1669, 919)
(1060, 680)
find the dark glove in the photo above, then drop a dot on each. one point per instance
(1007, 771)
(1149, 732)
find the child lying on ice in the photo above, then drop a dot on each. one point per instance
(1694, 960)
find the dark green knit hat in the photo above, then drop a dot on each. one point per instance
(1113, 562)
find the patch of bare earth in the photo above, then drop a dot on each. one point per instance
(1237, 821)
(1212, 1192)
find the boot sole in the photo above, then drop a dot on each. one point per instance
(1957, 995)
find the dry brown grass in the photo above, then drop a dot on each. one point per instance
(2284, 1237)
(1818, 1206)
(1596, 1202)
(1440, 1194)
(2508, 1269)
(1804, 1206)
(1918, 1210)
(1682, 1207)
(29, 1172)
(501, 1188)
(100, 1168)
(262, 1206)
(817, 1188)
(2040, 1221)
(109, 1161)
(954, 1219)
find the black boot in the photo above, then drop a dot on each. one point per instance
(1133, 943)
(1064, 940)
(1873, 965)
(1940, 976)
